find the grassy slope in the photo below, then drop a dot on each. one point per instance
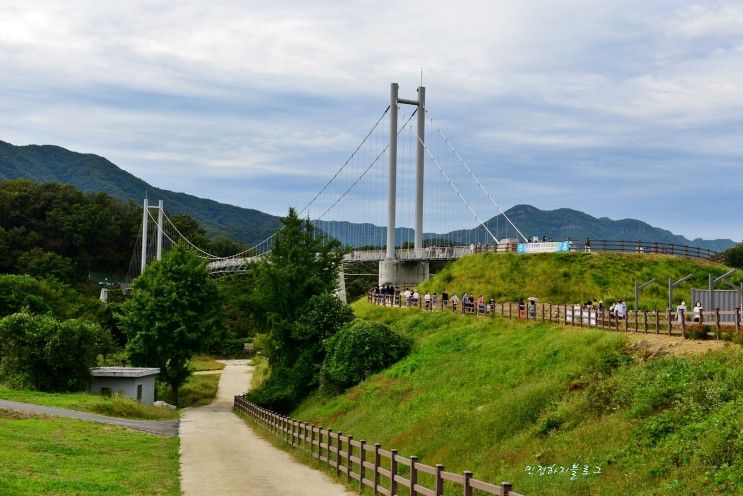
(68, 457)
(495, 396)
(574, 277)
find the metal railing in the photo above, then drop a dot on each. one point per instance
(384, 471)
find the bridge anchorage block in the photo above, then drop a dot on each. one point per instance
(403, 273)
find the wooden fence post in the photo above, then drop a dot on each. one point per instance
(413, 475)
(565, 309)
(670, 322)
(717, 321)
(467, 486)
(657, 322)
(580, 316)
(737, 320)
(349, 452)
(542, 312)
(505, 488)
(393, 472)
(439, 481)
(329, 445)
(362, 470)
(683, 324)
(645, 321)
(312, 440)
(637, 320)
(376, 467)
(338, 446)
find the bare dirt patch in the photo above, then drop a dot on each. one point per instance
(650, 345)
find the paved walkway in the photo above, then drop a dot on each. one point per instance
(222, 456)
(165, 427)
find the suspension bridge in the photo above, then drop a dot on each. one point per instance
(403, 175)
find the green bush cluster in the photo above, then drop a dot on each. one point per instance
(46, 354)
(359, 350)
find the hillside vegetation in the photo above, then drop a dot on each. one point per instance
(568, 278)
(497, 396)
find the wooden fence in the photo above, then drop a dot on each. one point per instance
(659, 322)
(383, 471)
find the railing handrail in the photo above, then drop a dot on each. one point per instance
(361, 461)
(673, 321)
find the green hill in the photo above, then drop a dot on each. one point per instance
(568, 278)
(94, 174)
(498, 396)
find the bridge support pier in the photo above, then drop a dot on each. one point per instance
(402, 273)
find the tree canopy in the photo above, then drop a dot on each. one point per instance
(173, 313)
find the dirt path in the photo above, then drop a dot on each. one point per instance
(221, 456)
(165, 427)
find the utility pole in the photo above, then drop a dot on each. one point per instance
(713, 283)
(639, 288)
(672, 285)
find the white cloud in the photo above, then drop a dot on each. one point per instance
(247, 90)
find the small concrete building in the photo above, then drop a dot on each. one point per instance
(134, 382)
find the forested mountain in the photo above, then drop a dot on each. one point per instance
(55, 230)
(564, 223)
(560, 224)
(92, 173)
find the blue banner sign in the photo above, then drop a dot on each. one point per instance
(545, 247)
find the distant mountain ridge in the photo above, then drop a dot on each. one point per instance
(92, 173)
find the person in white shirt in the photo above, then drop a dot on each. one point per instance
(407, 297)
(698, 311)
(416, 297)
(427, 300)
(681, 311)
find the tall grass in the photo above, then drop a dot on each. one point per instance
(567, 278)
(497, 396)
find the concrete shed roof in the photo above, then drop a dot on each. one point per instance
(123, 371)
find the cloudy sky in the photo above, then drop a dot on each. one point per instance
(617, 108)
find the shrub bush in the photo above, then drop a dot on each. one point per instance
(358, 350)
(40, 352)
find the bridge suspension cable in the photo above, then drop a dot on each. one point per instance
(469, 171)
(454, 187)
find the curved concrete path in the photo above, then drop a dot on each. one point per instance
(222, 456)
(165, 427)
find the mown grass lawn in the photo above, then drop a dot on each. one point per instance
(204, 362)
(55, 457)
(115, 406)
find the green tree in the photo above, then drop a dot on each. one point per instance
(359, 350)
(46, 354)
(292, 301)
(173, 312)
(733, 257)
(45, 264)
(301, 264)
